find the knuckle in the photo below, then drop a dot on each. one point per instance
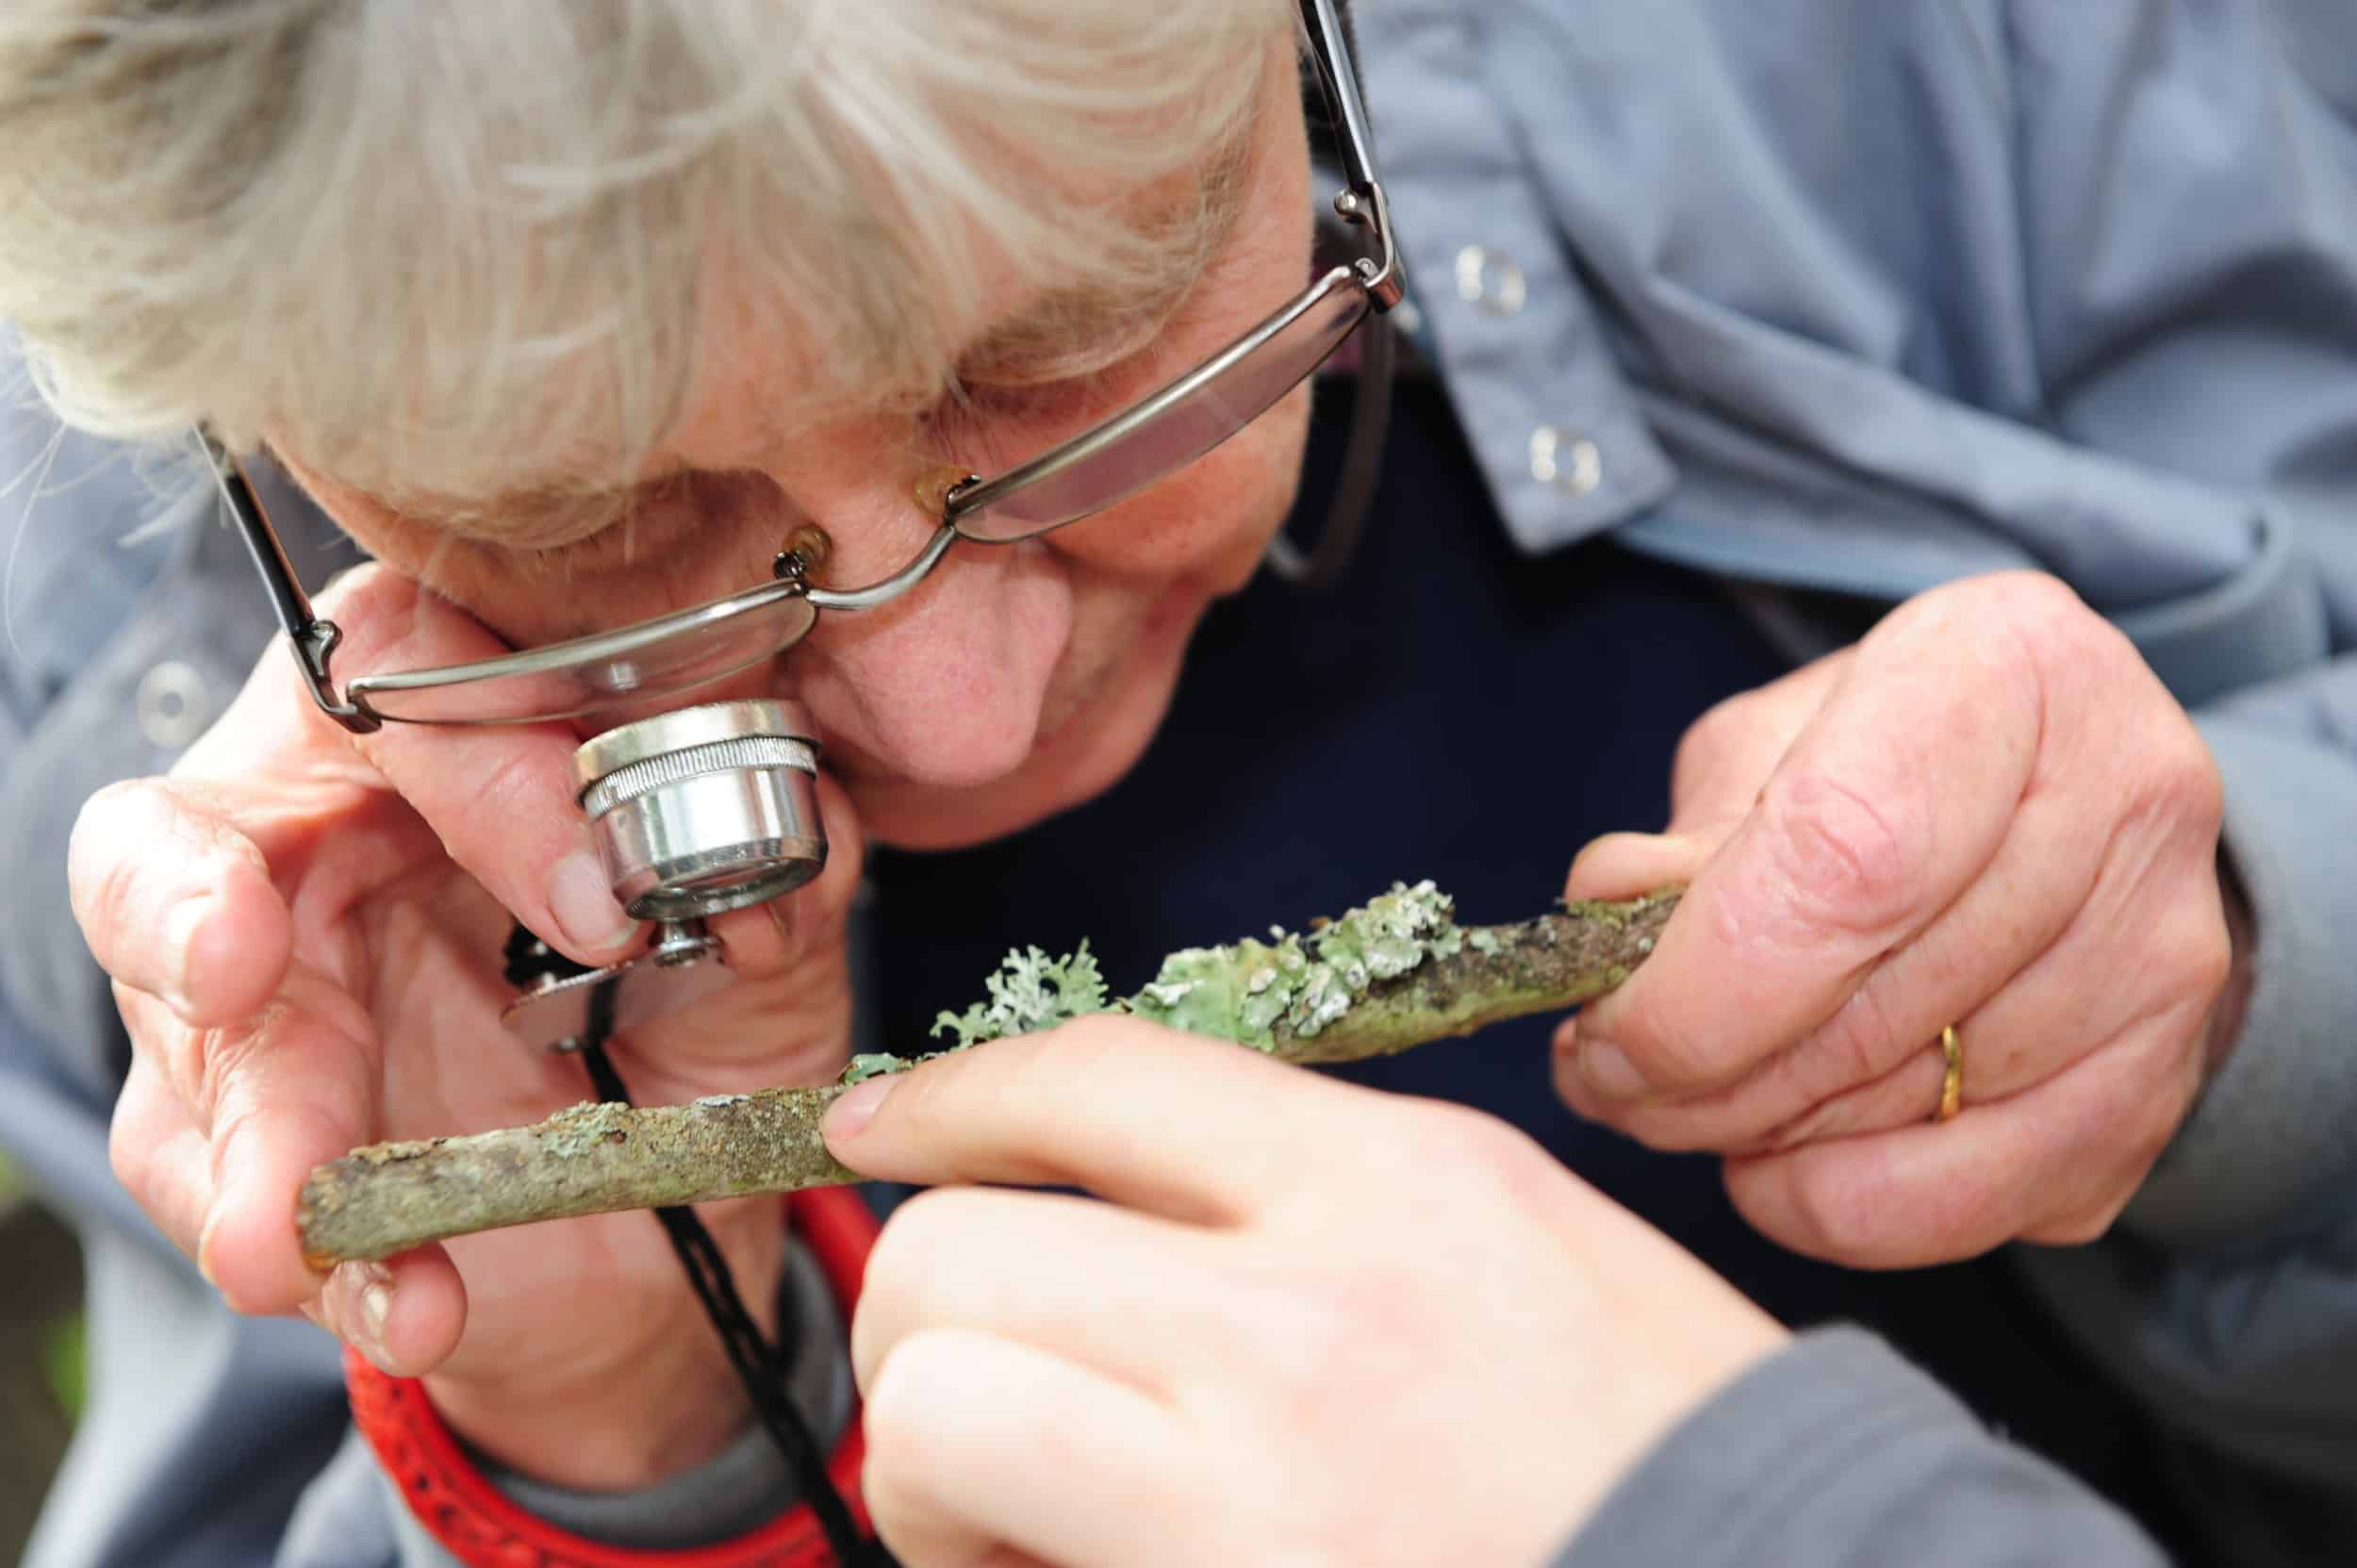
(2171, 1087)
(896, 1262)
(1845, 862)
(2201, 954)
(1845, 1217)
(2081, 1226)
(893, 1422)
(1859, 1044)
(1034, 1067)
(2196, 793)
(102, 879)
(2059, 643)
(1676, 1051)
(2038, 606)
(1721, 729)
(1322, 1343)
(2178, 969)
(130, 1154)
(1082, 1047)
(1665, 1130)
(2174, 790)
(1434, 1142)
(922, 1376)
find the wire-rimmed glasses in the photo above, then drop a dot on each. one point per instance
(686, 649)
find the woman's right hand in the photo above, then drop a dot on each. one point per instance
(305, 933)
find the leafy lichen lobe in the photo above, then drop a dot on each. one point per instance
(1243, 991)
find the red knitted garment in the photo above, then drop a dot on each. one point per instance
(477, 1524)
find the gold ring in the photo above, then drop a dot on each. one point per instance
(1950, 1087)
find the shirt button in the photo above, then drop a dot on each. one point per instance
(1490, 281)
(1570, 463)
(174, 705)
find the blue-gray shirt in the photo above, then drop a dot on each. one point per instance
(1841, 299)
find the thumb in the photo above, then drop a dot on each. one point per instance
(500, 799)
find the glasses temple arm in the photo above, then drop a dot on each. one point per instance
(312, 639)
(1362, 202)
(1330, 53)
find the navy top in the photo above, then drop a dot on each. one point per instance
(1454, 709)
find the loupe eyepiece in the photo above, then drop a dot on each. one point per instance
(704, 810)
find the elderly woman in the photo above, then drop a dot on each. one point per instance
(578, 317)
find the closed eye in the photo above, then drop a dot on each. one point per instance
(990, 425)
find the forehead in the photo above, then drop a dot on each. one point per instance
(764, 380)
(525, 316)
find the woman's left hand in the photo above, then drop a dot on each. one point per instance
(1313, 1324)
(1988, 813)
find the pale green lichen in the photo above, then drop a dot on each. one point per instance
(1030, 992)
(875, 1064)
(1241, 991)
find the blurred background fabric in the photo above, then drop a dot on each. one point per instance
(41, 1354)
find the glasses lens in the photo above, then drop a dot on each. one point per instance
(660, 658)
(1172, 428)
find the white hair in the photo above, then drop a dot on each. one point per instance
(433, 246)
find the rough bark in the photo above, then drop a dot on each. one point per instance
(594, 1158)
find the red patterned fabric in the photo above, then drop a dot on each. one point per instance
(477, 1523)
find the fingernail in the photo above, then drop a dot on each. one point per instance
(181, 924)
(368, 1294)
(376, 1305)
(854, 1110)
(1607, 1068)
(583, 902)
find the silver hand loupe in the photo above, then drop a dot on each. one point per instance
(694, 812)
(705, 810)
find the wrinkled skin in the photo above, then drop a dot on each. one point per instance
(1990, 812)
(342, 983)
(305, 927)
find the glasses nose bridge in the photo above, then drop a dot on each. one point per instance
(885, 589)
(853, 488)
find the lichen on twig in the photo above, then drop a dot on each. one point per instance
(1396, 973)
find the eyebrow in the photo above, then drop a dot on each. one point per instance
(549, 515)
(1185, 241)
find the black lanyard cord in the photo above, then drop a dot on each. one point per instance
(759, 1366)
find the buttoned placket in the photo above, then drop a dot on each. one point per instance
(1561, 440)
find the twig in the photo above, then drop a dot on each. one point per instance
(594, 1158)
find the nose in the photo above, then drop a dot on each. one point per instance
(944, 684)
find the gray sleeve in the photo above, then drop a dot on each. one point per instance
(744, 1486)
(1834, 1452)
(2226, 1299)
(2268, 1152)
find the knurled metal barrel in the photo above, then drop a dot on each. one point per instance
(705, 810)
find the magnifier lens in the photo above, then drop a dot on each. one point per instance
(705, 810)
